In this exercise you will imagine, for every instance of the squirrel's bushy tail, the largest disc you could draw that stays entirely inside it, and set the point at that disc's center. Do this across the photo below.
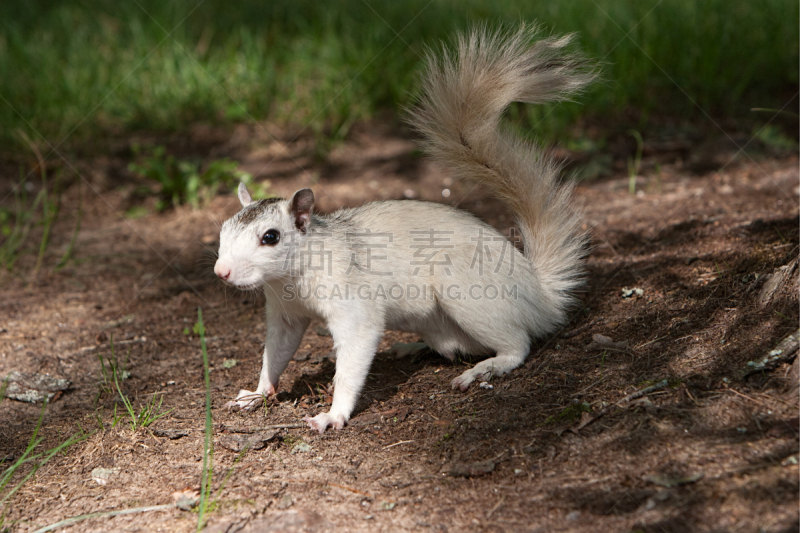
(464, 94)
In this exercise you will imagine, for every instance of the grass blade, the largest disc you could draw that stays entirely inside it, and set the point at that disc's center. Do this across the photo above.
(208, 449)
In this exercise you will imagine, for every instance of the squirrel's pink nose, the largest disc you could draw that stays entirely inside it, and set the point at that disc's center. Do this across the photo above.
(222, 270)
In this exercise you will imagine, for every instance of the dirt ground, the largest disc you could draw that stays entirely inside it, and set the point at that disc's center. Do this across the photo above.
(553, 446)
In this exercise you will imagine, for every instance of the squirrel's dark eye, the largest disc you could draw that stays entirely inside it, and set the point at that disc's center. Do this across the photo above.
(271, 237)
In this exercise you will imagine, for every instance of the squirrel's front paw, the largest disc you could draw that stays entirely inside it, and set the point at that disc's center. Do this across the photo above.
(322, 421)
(248, 401)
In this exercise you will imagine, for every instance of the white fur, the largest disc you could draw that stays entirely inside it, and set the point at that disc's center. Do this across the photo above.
(356, 269)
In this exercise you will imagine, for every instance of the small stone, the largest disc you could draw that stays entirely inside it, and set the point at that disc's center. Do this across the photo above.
(791, 460)
(573, 516)
(632, 292)
(186, 499)
(486, 385)
(101, 475)
(386, 506)
(229, 363)
(33, 388)
(301, 447)
(285, 502)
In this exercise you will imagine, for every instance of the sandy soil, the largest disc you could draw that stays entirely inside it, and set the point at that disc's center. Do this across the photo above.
(554, 446)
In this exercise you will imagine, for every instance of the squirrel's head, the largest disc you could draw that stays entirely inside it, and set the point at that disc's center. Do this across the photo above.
(258, 244)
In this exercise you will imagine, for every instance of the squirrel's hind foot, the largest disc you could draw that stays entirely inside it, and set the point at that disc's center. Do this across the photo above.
(486, 370)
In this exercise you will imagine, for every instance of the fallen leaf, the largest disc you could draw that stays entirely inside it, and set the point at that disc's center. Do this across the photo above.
(101, 475)
(601, 342)
(237, 443)
(170, 433)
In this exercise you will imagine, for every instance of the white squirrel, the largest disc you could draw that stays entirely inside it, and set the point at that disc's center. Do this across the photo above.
(420, 266)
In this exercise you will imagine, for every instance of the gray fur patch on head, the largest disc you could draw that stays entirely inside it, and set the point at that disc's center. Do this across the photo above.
(253, 212)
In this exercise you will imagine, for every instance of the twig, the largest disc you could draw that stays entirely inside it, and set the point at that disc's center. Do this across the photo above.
(496, 507)
(783, 352)
(496, 458)
(76, 519)
(651, 342)
(589, 387)
(468, 396)
(626, 400)
(265, 428)
(350, 489)
(644, 392)
(758, 402)
(745, 396)
(397, 444)
(689, 393)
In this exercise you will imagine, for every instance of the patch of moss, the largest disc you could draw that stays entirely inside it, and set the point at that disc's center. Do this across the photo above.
(572, 412)
(291, 440)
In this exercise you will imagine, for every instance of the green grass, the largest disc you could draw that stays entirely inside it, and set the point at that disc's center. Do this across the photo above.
(73, 69)
(205, 504)
(148, 413)
(181, 181)
(30, 457)
(26, 214)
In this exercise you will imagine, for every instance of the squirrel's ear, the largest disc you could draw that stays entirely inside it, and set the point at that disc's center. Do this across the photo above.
(300, 207)
(244, 196)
